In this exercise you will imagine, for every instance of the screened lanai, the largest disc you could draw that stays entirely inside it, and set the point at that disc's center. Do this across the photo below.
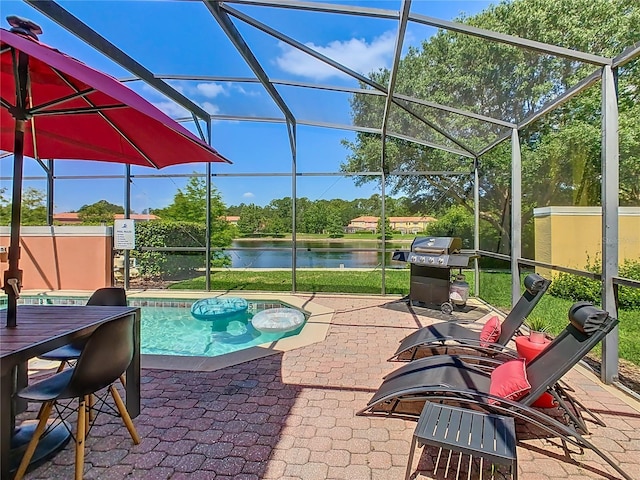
(404, 99)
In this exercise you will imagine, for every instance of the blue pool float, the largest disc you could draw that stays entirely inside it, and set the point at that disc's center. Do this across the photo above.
(218, 307)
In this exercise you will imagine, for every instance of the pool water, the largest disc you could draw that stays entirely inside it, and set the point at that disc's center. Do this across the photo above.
(169, 330)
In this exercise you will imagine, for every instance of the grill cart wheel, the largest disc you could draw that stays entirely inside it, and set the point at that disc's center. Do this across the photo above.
(446, 308)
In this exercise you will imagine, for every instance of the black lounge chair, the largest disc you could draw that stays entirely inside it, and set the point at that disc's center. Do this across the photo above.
(436, 339)
(449, 379)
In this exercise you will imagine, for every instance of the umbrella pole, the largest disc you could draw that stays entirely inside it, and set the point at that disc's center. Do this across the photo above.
(13, 276)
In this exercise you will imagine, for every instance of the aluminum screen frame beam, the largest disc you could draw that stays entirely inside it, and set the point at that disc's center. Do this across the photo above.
(227, 26)
(512, 40)
(610, 202)
(516, 215)
(223, 19)
(626, 56)
(322, 7)
(341, 126)
(336, 88)
(393, 75)
(402, 29)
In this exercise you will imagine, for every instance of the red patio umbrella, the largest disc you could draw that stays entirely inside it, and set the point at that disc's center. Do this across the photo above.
(54, 106)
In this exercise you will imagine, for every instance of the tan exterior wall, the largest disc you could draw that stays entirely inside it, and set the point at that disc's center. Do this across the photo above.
(63, 257)
(571, 236)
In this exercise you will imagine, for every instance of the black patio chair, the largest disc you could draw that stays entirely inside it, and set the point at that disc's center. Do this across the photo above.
(440, 337)
(449, 379)
(68, 354)
(104, 358)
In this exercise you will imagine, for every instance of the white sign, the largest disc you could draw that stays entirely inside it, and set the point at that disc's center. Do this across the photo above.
(124, 234)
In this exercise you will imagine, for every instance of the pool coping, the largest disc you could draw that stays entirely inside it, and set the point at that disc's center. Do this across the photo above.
(314, 330)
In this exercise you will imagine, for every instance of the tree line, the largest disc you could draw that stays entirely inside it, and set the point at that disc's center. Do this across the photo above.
(189, 205)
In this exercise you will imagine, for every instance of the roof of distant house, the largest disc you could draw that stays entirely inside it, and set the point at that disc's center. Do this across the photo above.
(368, 218)
(412, 219)
(365, 219)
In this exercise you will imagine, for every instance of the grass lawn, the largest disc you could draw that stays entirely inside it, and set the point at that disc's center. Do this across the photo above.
(397, 281)
(495, 289)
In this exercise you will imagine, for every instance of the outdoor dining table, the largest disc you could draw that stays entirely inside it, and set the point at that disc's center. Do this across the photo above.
(41, 328)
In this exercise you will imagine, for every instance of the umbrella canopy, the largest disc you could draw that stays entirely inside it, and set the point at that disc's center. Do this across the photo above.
(54, 106)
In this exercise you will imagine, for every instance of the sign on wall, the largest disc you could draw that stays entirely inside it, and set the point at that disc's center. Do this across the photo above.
(124, 234)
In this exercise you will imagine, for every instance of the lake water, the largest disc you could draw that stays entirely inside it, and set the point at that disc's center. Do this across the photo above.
(311, 254)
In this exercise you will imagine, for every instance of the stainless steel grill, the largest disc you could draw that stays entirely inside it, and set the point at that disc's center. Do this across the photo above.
(431, 260)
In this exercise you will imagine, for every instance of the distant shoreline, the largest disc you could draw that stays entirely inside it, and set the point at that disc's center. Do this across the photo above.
(328, 240)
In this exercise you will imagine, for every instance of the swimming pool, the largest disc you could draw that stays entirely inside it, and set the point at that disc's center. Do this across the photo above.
(172, 330)
(168, 328)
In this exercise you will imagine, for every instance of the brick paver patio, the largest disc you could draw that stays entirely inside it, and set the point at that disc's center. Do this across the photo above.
(292, 416)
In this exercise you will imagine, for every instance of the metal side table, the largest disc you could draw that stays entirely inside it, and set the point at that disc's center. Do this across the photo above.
(487, 436)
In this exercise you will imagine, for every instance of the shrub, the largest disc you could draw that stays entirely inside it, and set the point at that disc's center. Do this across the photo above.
(576, 288)
(172, 234)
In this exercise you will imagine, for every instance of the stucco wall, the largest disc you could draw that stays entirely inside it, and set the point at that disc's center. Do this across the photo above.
(63, 257)
(569, 236)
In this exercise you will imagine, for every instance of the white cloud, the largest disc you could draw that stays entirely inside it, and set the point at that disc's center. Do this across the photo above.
(211, 108)
(248, 195)
(355, 54)
(248, 93)
(210, 90)
(172, 109)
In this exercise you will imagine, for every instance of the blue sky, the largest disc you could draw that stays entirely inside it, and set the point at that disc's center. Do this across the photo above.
(184, 38)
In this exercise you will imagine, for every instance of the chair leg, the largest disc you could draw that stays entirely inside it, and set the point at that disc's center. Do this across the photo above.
(80, 437)
(89, 401)
(61, 366)
(125, 415)
(123, 380)
(33, 443)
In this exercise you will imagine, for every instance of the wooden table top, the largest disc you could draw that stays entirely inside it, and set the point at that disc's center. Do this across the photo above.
(41, 325)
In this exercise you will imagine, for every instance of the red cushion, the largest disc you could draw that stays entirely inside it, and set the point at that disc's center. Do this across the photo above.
(490, 332)
(509, 381)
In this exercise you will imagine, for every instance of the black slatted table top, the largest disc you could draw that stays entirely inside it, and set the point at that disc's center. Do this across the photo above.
(489, 436)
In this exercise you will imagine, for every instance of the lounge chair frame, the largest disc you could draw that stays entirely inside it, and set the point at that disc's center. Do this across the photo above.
(433, 339)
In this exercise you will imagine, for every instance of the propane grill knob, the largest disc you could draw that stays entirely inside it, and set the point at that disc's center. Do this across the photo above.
(440, 260)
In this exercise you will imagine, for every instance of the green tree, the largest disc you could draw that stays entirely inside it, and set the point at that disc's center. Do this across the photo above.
(388, 233)
(313, 219)
(457, 222)
(335, 227)
(33, 208)
(561, 152)
(189, 206)
(251, 220)
(277, 216)
(100, 212)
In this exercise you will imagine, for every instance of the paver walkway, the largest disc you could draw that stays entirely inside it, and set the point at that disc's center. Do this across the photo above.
(292, 416)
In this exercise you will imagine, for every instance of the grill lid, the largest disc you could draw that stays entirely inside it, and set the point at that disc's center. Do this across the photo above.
(436, 245)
